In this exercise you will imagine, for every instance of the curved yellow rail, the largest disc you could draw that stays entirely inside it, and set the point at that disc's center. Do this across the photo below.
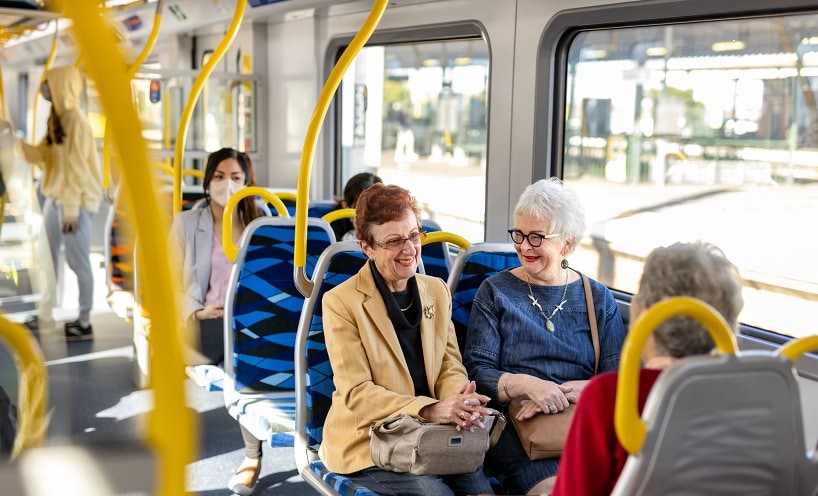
(190, 105)
(286, 195)
(171, 424)
(230, 248)
(446, 237)
(341, 213)
(630, 429)
(140, 59)
(797, 347)
(33, 385)
(317, 120)
(185, 172)
(52, 55)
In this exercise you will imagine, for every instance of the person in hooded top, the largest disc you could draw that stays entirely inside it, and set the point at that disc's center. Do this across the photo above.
(72, 187)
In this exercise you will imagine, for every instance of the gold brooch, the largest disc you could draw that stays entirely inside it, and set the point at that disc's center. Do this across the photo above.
(429, 311)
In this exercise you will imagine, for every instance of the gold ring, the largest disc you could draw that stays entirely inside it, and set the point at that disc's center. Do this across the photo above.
(462, 415)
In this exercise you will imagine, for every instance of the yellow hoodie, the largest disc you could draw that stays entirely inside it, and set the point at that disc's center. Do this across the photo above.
(72, 175)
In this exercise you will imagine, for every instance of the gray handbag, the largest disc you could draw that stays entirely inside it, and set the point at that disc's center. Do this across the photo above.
(409, 444)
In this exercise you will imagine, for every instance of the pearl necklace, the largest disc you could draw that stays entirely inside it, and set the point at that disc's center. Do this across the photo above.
(548, 324)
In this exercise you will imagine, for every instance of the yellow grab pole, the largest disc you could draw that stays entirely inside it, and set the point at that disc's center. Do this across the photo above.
(33, 385)
(4, 108)
(797, 347)
(171, 424)
(318, 115)
(446, 237)
(140, 59)
(630, 428)
(48, 63)
(190, 105)
(230, 248)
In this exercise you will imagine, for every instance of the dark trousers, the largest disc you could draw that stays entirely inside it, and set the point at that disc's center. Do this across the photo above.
(211, 339)
(388, 483)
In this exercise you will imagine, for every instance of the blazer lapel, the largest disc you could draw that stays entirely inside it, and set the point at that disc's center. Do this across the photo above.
(428, 320)
(204, 246)
(376, 309)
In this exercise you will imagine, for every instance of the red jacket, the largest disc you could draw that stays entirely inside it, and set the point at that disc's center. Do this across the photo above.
(593, 458)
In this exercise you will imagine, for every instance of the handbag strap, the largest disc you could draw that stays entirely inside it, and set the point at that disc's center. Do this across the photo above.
(589, 300)
(497, 427)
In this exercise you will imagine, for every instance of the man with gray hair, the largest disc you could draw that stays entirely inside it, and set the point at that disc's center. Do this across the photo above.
(699, 270)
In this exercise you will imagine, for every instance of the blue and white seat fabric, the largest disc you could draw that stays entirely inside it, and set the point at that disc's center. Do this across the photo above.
(261, 319)
(314, 385)
(435, 256)
(469, 269)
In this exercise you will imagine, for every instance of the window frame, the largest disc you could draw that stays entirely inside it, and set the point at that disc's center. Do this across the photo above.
(457, 31)
(551, 86)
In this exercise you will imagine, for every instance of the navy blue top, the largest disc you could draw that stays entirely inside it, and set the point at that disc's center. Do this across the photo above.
(507, 334)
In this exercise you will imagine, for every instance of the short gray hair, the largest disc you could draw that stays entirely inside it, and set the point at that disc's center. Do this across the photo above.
(548, 200)
(700, 270)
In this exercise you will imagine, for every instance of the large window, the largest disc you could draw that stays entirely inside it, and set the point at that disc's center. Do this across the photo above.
(703, 131)
(416, 115)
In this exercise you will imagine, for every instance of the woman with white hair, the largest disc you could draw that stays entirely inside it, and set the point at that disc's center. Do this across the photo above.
(593, 457)
(529, 337)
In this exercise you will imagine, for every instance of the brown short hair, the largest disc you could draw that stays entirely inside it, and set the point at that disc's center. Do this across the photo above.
(379, 204)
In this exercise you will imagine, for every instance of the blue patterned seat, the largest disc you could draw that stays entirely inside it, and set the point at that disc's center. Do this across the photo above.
(314, 386)
(261, 319)
(470, 268)
(435, 256)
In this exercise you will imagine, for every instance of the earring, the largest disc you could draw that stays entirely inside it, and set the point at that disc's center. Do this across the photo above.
(564, 263)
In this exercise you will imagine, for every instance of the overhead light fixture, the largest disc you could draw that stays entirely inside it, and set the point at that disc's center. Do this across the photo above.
(657, 51)
(594, 53)
(462, 61)
(728, 46)
(431, 63)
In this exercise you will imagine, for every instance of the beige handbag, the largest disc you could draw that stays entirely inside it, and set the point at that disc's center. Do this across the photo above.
(543, 435)
(409, 444)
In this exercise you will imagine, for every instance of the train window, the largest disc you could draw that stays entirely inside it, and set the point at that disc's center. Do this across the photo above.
(416, 115)
(702, 130)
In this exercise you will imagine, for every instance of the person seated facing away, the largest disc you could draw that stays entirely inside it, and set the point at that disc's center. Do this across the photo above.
(392, 345)
(205, 274)
(529, 336)
(344, 229)
(593, 458)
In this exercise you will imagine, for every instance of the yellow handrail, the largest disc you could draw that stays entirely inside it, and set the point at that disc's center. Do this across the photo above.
(446, 237)
(630, 428)
(185, 172)
(140, 59)
(33, 385)
(48, 63)
(797, 347)
(231, 251)
(286, 195)
(341, 213)
(318, 115)
(190, 105)
(171, 424)
(4, 107)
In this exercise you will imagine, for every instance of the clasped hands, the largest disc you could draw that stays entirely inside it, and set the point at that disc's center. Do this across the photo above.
(464, 409)
(547, 397)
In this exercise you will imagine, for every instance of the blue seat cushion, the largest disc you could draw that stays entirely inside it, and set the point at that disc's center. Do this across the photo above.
(342, 485)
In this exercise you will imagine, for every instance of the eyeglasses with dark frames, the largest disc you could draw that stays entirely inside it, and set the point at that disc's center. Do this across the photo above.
(397, 243)
(534, 239)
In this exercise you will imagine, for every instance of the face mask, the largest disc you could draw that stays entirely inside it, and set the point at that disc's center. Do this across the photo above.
(221, 191)
(45, 91)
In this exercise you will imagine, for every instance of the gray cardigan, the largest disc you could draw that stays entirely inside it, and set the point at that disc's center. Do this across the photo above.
(191, 238)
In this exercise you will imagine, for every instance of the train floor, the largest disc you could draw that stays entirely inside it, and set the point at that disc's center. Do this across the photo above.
(93, 401)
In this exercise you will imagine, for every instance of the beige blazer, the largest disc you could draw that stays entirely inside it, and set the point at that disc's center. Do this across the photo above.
(372, 379)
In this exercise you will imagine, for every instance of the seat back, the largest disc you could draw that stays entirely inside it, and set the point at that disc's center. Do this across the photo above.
(264, 305)
(728, 425)
(469, 269)
(435, 256)
(314, 393)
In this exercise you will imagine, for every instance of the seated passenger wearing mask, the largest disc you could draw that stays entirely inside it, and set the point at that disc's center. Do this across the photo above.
(392, 346)
(196, 236)
(593, 458)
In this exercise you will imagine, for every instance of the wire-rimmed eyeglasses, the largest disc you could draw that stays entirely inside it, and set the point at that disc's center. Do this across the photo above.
(397, 243)
(534, 239)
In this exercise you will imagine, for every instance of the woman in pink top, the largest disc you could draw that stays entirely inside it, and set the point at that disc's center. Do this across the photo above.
(205, 271)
